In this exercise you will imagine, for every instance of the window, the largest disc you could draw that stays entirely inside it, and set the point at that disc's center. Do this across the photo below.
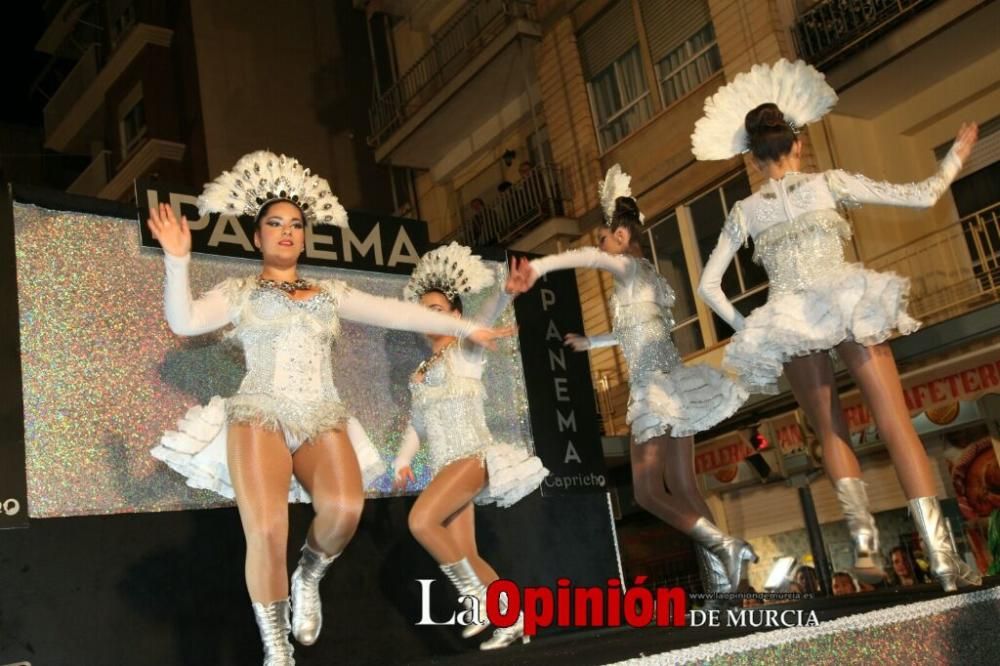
(663, 244)
(684, 68)
(620, 99)
(744, 283)
(612, 64)
(682, 45)
(404, 198)
(132, 121)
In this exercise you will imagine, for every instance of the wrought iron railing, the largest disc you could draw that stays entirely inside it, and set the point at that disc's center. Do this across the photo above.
(540, 195)
(832, 29)
(468, 34)
(951, 270)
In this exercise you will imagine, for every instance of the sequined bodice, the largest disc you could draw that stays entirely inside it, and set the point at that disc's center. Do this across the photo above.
(287, 344)
(802, 252)
(642, 321)
(447, 406)
(797, 230)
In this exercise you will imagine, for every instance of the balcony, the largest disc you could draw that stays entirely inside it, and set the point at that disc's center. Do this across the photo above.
(476, 72)
(92, 180)
(833, 29)
(528, 216)
(71, 116)
(952, 270)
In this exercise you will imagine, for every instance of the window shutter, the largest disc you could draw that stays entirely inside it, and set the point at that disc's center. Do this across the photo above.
(607, 38)
(670, 23)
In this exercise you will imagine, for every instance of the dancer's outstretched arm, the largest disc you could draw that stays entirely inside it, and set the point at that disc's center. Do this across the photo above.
(854, 189)
(394, 313)
(620, 265)
(582, 343)
(733, 235)
(486, 316)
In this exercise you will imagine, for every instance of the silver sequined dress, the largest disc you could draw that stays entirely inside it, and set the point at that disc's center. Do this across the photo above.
(289, 384)
(448, 416)
(816, 299)
(666, 396)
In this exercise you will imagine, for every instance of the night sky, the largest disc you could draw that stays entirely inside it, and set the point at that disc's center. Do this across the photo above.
(21, 24)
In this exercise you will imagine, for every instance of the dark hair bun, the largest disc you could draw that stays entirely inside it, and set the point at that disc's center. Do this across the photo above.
(765, 117)
(626, 210)
(769, 134)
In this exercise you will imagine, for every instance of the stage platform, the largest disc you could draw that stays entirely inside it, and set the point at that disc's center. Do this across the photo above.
(167, 590)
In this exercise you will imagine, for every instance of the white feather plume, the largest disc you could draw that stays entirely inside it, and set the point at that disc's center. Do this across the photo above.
(451, 269)
(798, 89)
(616, 184)
(262, 176)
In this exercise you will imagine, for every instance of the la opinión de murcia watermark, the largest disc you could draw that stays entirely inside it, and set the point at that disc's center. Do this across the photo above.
(609, 606)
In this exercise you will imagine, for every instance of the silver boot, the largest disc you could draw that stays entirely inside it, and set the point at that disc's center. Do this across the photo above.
(714, 577)
(946, 565)
(307, 615)
(272, 620)
(732, 552)
(504, 636)
(853, 500)
(464, 578)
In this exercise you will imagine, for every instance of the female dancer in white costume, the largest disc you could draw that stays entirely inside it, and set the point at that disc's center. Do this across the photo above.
(668, 402)
(468, 466)
(286, 424)
(817, 302)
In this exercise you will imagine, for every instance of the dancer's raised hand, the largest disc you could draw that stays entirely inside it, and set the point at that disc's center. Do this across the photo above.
(966, 139)
(174, 236)
(521, 278)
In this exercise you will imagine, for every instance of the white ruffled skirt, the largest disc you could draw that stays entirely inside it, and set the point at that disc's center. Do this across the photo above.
(857, 304)
(197, 451)
(512, 474)
(682, 402)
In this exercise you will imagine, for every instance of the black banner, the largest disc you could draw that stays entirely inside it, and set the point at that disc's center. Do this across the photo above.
(13, 484)
(372, 242)
(560, 391)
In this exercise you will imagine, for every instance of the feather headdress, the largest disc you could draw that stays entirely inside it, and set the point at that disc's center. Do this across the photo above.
(616, 184)
(798, 89)
(261, 177)
(451, 269)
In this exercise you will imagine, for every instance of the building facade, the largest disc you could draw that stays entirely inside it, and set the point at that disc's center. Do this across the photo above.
(180, 90)
(502, 118)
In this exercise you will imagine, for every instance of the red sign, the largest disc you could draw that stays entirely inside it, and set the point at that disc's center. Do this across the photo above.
(721, 452)
(932, 388)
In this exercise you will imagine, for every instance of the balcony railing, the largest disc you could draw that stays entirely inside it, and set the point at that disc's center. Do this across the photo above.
(832, 29)
(539, 196)
(72, 88)
(469, 33)
(952, 270)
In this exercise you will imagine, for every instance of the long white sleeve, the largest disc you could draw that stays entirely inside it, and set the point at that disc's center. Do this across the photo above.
(408, 448)
(486, 316)
(586, 257)
(854, 189)
(394, 313)
(710, 288)
(186, 316)
(601, 341)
